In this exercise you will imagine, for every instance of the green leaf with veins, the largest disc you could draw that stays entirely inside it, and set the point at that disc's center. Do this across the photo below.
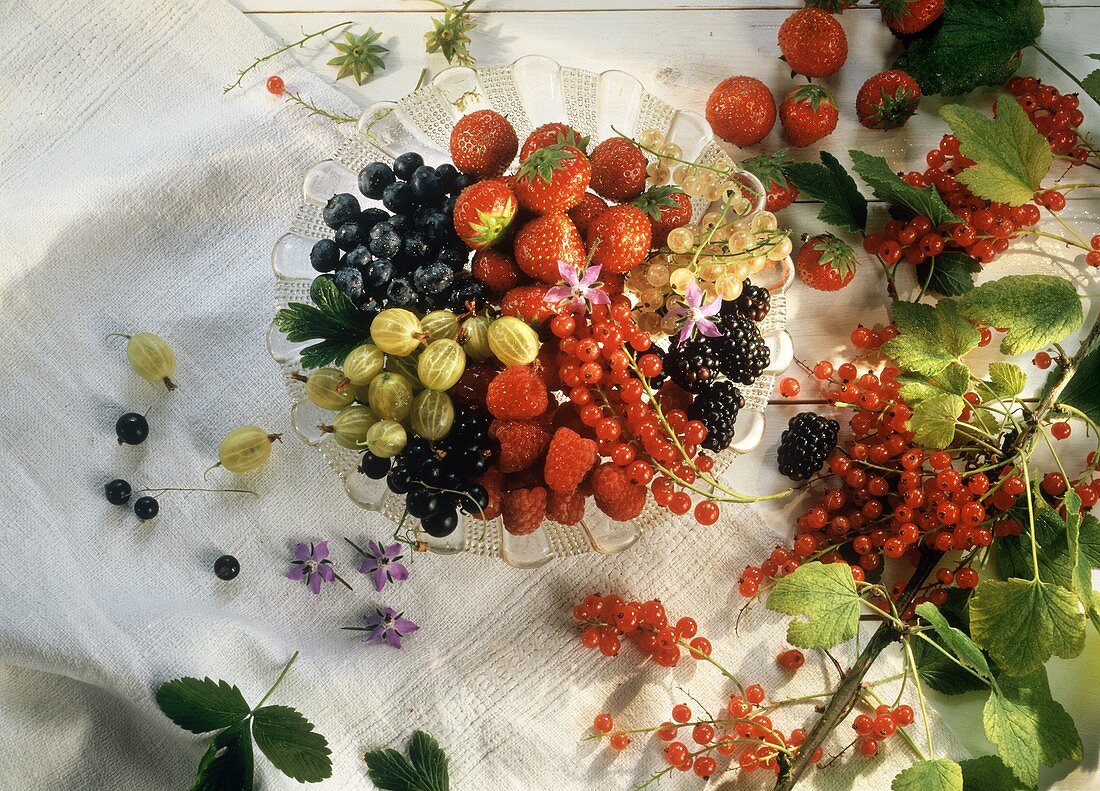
(1011, 158)
(769, 168)
(1005, 379)
(228, 763)
(201, 705)
(1081, 391)
(1037, 310)
(977, 43)
(954, 379)
(1013, 555)
(1028, 727)
(930, 337)
(940, 673)
(941, 774)
(424, 770)
(949, 274)
(1089, 540)
(888, 186)
(957, 641)
(845, 207)
(989, 773)
(334, 319)
(826, 595)
(933, 420)
(289, 741)
(1091, 83)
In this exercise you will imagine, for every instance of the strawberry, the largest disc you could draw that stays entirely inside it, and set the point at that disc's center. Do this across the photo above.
(667, 208)
(483, 144)
(808, 113)
(813, 43)
(618, 169)
(553, 179)
(522, 443)
(887, 100)
(543, 242)
(523, 510)
(493, 481)
(826, 263)
(615, 495)
(483, 212)
(589, 208)
(496, 269)
(741, 110)
(832, 6)
(517, 393)
(565, 508)
(528, 303)
(769, 168)
(619, 238)
(568, 459)
(906, 17)
(549, 134)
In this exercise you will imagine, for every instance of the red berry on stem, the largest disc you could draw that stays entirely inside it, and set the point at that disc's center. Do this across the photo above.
(603, 723)
(789, 387)
(275, 85)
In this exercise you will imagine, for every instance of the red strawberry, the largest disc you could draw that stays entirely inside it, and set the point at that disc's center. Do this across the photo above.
(589, 208)
(483, 213)
(619, 239)
(523, 510)
(543, 242)
(769, 169)
(741, 110)
(826, 263)
(551, 133)
(808, 113)
(473, 386)
(906, 17)
(483, 144)
(493, 481)
(522, 443)
(667, 208)
(528, 303)
(615, 495)
(553, 179)
(517, 393)
(887, 100)
(496, 269)
(618, 169)
(813, 43)
(565, 508)
(568, 460)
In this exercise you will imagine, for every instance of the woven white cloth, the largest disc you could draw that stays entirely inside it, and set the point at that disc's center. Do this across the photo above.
(134, 195)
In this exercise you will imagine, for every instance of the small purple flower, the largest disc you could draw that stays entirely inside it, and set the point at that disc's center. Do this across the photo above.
(311, 564)
(382, 564)
(579, 287)
(696, 314)
(387, 624)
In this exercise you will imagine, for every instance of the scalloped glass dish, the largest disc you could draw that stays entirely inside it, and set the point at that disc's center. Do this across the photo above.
(531, 91)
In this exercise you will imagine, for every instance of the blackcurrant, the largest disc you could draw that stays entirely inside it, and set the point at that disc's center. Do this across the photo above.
(374, 467)
(118, 492)
(132, 429)
(341, 209)
(441, 523)
(406, 164)
(226, 567)
(422, 502)
(476, 499)
(146, 508)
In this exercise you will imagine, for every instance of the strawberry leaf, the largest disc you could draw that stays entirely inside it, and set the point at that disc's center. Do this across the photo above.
(769, 168)
(845, 207)
(656, 198)
(889, 187)
(1091, 83)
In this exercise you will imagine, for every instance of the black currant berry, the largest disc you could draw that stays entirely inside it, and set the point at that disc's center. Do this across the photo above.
(146, 508)
(226, 567)
(132, 429)
(374, 467)
(118, 492)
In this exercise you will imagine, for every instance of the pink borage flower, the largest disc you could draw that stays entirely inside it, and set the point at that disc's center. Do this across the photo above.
(696, 315)
(579, 288)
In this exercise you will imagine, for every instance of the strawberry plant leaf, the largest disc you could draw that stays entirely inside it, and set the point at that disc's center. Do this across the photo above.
(889, 187)
(1081, 391)
(989, 773)
(957, 641)
(977, 43)
(1010, 157)
(845, 207)
(426, 771)
(289, 741)
(228, 763)
(941, 774)
(430, 761)
(1091, 83)
(826, 595)
(769, 168)
(390, 770)
(1037, 309)
(1006, 379)
(201, 705)
(933, 420)
(949, 274)
(930, 337)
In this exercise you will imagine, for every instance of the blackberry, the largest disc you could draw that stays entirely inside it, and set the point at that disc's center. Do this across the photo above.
(692, 364)
(741, 352)
(804, 446)
(716, 407)
(754, 303)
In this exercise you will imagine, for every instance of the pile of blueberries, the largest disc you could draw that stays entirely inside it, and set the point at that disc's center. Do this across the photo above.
(411, 258)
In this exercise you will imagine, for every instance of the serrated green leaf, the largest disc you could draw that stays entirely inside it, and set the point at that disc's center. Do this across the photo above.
(430, 762)
(826, 595)
(1091, 84)
(977, 43)
(1089, 540)
(949, 274)
(427, 771)
(290, 743)
(1022, 623)
(941, 774)
(769, 168)
(228, 764)
(1081, 391)
(390, 770)
(845, 207)
(1037, 310)
(1011, 158)
(933, 420)
(989, 773)
(930, 338)
(956, 641)
(201, 705)
(954, 379)
(1014, 557)
(1028, 727)
(888, 186)
(1006, 379)
(938, 672)
(334, 319)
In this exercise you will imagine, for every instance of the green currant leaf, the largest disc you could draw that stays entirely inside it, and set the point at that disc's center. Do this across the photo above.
(289, 741)
(1081, 390)
(228, 764)
(1037, 310)
(1006, 379)
(954, 379)
(826, 595)
(933, 420)
(957, 641)
(949, 274)
(930, 338)
(989, 773)
(1013, 554)
(1089, 540)
(889, 187)
(941, 774)
(845, 207)
(940, 673)
(202, 705)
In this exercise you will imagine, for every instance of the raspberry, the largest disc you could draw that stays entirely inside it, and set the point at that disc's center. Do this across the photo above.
(527, 303)
(754, 303)
(569, 459)
(546, 368)
(493, 482)
(615, 495)
(741, 351)
(523, 510)
(806, 443)
(716, 407)
(522, 443)
(565, 508)
(586, 211)
(496, 270)
(517, 393)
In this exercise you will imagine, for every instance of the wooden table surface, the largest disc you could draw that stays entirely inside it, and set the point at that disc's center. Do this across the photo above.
(680, 50)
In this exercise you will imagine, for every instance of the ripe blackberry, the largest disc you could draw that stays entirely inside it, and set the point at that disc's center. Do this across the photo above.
(692, 364)
(804, 446)
(716, 407)
(741, 352)
(754, 303)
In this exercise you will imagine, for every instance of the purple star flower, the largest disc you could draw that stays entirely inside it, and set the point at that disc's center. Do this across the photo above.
(311, 565)
(579, 287)
(382, 564)
(387, 624)
(696, 314)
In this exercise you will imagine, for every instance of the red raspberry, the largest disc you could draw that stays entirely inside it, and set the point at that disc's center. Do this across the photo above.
(517, 393)
(565, 508)
(546, 368)
(567, 416)
(496, 269)
(586, 211)
(528, 303)
(524, 510)
(493, 481)
(522, 443)
(568, 460)
(615, 495)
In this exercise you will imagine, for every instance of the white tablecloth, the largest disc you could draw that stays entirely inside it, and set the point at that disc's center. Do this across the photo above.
(134, 195)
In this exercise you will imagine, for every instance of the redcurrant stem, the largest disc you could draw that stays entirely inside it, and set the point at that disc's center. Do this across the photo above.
(1056, 237)
(876, 700)
(1069, 228)
(912, 660)
(700, 655)
(1062, 69)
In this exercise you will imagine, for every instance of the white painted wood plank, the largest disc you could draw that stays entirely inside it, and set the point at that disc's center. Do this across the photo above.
(489, 6)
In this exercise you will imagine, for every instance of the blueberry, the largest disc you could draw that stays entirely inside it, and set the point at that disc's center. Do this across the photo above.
(400, 293)
(324, 256)
(371, 217)
(401, 222)
(340, 209)
(442, 523)
(132, 429)
(378, 274)
(118, 492)
(453, 257)
(359, 257)
(374, 467)
(399, 198)
(146, 508)
(369, 307)
(466, 290)
(462, 181)
(350, 281)
(348, 236)
(447, 173)
(448, 206)
(416, 249)
(374, 178)
(385, 242)
(406, 164)
(422, 503)
(426, 186)
(226, 567)
(433, 278)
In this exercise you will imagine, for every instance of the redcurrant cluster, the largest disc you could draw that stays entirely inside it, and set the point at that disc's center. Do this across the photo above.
(884, 724)
(1057, 116)
(609, 619)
